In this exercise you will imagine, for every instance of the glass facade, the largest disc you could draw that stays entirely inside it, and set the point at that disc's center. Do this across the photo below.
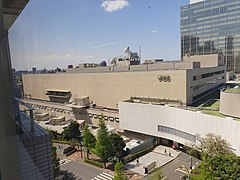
(211, 27)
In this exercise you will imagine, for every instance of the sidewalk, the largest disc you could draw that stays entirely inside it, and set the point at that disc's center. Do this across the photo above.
(158, 155)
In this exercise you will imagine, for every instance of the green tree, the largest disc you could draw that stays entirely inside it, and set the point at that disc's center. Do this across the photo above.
(220, 166)
(118, 144)
(55, 161)
(54, 135)
(118, 171)
(72, 131)
(212, 145)
(157, 175)
(89, 141)
(103, 144)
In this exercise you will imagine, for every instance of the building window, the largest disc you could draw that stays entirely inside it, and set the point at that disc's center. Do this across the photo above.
(177, 132)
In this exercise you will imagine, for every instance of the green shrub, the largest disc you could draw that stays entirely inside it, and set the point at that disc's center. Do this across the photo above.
(61, 142)
(93, 162)
(137, 154)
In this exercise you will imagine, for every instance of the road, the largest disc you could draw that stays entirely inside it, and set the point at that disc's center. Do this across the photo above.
(80, 170)
(172, 171)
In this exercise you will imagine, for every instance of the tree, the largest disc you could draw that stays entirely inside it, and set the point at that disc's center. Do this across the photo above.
(220, 166)
(103, 144)
(54, 135)
(55, 161)
(72, 131)
(118, 171)
(213, 144)
(118, 144)
(89, 141)
(157, 175)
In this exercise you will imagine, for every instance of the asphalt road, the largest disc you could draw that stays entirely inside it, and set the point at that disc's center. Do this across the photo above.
(79, 171)
(170, 169)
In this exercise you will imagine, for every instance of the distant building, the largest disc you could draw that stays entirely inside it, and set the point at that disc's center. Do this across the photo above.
(34, 70)
(212, 27)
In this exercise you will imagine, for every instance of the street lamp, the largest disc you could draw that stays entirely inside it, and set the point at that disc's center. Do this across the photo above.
(191, 162)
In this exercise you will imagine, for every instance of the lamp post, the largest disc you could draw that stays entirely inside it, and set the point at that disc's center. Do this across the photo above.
(191, 162)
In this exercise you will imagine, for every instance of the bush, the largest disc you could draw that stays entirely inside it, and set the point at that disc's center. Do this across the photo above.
(137, 155)
(61, 142)
(93, 162)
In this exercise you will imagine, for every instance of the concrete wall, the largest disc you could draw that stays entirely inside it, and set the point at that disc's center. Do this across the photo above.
(230, 104)
(106, 89)
(211, 60)
(145, 118)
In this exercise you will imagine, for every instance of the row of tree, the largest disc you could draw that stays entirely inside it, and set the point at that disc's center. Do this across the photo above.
(107, 145)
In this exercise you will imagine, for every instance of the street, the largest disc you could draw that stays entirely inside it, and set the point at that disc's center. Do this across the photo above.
(81, 171)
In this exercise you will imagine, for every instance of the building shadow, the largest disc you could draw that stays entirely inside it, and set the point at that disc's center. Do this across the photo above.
(67, 175)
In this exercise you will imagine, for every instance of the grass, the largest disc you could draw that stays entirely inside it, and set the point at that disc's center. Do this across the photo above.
(213, 104)
(218, 114)
(214, 113)
(232, 90)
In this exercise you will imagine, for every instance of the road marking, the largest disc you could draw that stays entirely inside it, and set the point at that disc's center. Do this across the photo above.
(103, 176)
(108, 174)
(64, 161)
(100, 176)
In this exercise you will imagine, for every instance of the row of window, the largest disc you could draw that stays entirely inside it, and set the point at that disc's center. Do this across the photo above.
(206, 75)
(177, 132)
(207, 83)
(106, 118)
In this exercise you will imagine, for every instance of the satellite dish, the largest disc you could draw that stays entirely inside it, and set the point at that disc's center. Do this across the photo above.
(127, 50)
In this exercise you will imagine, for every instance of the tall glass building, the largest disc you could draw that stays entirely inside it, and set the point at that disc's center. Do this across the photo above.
(211, 27)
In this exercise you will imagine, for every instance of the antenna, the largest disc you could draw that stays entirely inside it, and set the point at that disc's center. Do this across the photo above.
(140, 53)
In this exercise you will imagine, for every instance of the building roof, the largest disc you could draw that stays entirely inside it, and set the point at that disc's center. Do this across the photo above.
(11, 10)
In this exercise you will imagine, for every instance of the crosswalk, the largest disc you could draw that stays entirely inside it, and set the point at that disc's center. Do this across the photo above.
(103, 176)
(64, 161)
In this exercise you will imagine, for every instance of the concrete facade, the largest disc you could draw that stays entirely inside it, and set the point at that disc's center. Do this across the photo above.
(176, 124)
(108, 88)
(210, 60)
(230, 104)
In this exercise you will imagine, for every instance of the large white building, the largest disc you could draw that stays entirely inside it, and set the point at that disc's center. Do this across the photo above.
(171, 124)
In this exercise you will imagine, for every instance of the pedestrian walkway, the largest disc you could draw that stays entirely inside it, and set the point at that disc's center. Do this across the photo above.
(103, 176)
(166, 151)
(161, 155)
(64, 161)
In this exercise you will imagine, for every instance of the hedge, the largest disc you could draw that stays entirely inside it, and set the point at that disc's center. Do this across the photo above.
(137, 155)
(93, 162)
(61, 142)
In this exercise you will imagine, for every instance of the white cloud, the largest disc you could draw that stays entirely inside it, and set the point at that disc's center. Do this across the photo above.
(153, 31)
(104, 45)
(114, 5)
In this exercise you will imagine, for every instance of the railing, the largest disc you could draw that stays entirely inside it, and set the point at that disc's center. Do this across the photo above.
(29, 109)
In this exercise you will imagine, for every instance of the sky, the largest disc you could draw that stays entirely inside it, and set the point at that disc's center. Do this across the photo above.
(56, 33)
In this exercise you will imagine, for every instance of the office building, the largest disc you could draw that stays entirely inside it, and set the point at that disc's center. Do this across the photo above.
(183, 81)
(212, 27)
